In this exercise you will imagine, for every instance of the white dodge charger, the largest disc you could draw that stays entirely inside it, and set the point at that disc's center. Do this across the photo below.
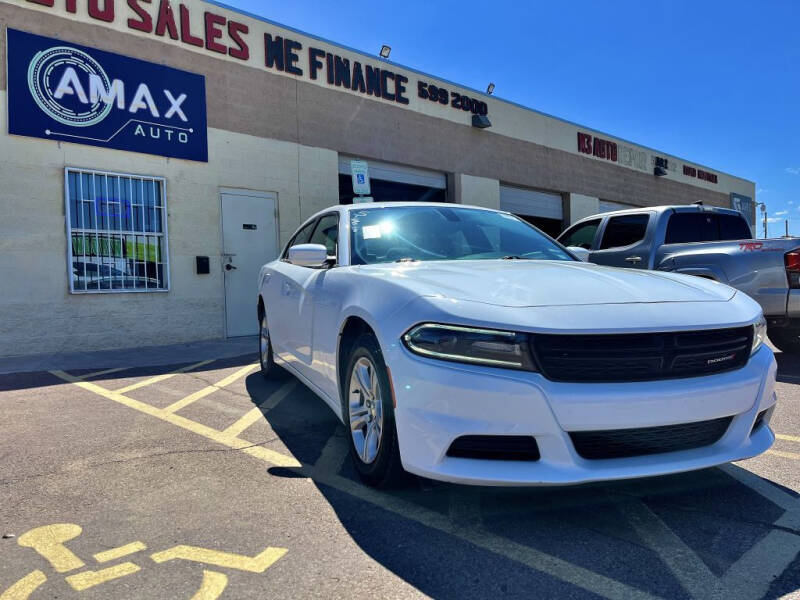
(462, 344)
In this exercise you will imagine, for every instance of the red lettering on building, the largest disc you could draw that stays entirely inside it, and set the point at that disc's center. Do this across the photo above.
(144, 21)
(214, 32)
(102, 14)
(166, 21)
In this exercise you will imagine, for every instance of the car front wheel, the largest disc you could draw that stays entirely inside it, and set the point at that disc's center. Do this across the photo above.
(265, 357)
(369, 415)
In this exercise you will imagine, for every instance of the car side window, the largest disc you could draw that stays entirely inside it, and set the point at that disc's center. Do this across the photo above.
(732, 227)
(624, 230)
(581, 236)
(301, 237)
(689, 227)
(327, 233)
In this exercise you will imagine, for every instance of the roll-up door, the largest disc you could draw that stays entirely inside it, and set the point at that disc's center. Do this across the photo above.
(393, 182)
(543, 209)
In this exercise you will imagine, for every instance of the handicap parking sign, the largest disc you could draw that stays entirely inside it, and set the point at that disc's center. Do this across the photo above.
(360, 172)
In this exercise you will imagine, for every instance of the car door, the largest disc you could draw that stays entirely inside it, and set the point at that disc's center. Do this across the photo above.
(301, 289)
(624, 242)
(581, 235)
(282, 296)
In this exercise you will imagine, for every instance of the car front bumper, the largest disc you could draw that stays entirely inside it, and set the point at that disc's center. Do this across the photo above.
(437, 402)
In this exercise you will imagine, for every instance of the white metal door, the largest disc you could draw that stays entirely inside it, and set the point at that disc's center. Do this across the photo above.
(249, 239)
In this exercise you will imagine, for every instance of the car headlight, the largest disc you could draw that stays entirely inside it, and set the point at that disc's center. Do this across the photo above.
(759, 335)
(490, 347)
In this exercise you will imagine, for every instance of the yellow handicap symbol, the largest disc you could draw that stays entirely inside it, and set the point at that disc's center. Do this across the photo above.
(50, 541)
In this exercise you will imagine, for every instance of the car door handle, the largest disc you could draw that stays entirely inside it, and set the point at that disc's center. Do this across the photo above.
(230, 267)
(633, 259)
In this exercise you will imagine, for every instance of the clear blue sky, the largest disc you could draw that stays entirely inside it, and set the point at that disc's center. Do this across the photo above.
(715, 81)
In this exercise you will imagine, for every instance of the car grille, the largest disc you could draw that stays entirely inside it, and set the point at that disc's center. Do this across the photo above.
(623, 443)
(641, 357)
(495, 447)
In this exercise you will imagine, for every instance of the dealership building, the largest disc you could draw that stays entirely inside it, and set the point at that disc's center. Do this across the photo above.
(154, 153)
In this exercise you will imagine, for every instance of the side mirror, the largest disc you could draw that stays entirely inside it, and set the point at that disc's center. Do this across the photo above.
(581, 253)
(308, 255)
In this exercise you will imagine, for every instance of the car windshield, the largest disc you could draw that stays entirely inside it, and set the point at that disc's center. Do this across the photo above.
(391, 234)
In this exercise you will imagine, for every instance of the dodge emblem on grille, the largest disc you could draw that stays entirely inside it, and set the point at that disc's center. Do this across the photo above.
(713, 361)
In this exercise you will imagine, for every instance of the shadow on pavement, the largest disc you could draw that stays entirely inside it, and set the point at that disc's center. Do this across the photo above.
(22, 381)
(673, 537)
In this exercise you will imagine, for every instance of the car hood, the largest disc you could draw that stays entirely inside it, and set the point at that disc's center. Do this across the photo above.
(529, 283)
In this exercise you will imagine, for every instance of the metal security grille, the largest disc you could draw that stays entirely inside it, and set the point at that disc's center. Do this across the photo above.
(117, 232)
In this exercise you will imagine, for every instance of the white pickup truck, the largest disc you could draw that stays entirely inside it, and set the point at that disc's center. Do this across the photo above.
(714, 243)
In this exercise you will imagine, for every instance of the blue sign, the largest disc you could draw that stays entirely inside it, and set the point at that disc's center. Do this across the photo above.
(71, 93)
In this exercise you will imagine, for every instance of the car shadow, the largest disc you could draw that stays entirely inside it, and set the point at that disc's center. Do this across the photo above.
(680, 536)
(788, 367)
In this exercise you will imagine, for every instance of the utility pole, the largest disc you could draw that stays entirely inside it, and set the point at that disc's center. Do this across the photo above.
(787, 227)
(763, 212)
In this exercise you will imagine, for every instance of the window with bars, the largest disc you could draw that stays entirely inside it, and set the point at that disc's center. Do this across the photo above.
(117, 232)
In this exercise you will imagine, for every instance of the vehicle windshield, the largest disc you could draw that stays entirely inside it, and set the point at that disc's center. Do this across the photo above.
(392, 234)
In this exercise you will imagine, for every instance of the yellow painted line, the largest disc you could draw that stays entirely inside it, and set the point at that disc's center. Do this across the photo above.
(157, 378)
(270, 456)
(256, 564)
(213, 585)
(24, 587)
(104, 372)
(48, 542)
(790, 455)
(788, 438)
(88, 579)
(191, 398)
(115, 553)
(256, 414)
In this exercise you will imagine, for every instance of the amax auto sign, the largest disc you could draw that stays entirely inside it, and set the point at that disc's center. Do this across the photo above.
(66, 92)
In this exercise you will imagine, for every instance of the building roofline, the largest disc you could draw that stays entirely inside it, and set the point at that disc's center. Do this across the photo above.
(466, 87)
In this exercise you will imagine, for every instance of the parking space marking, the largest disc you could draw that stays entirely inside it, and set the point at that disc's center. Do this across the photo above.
(157, 378)
(772, 493)
(477, 536)
(782, 454)
(213, 585)
(256, 414)
(115, 553)
(48, 542)
(192, 398)
(265, 454)
(104, 372)
(89, 579)
(684, 564)
(23, 589)
(252, 564)
(787, 438)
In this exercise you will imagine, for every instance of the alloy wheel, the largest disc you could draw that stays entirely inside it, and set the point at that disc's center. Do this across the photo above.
(366, 410)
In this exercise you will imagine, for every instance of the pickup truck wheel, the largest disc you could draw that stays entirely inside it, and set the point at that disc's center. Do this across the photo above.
(265, 357)
(785, 340)
(369, 416)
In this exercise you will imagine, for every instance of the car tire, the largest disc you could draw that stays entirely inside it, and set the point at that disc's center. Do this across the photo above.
(265, 356)
(785, 340)
(368, 413)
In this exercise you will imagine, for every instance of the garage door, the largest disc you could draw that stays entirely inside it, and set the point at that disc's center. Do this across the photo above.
(531, 203)
(397, 173)
(608, 206)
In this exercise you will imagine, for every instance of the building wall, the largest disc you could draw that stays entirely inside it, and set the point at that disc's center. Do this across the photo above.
(268, 131)
(37, 312)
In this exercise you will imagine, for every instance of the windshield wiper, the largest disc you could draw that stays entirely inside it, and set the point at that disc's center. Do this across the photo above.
(404, 260)
(514, 257)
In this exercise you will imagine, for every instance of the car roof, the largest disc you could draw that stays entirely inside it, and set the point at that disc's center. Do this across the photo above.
(678, 208)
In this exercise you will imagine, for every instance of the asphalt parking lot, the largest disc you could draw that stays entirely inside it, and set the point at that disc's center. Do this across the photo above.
(204, 481)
